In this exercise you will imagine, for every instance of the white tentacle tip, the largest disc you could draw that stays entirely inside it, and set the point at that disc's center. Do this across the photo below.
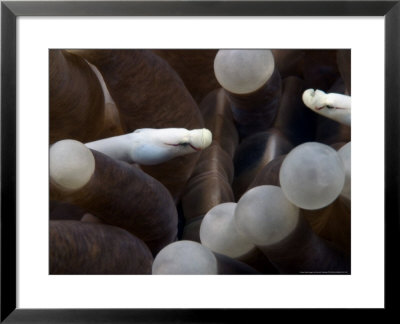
(200, 138)
(72, 164)
(314, 98)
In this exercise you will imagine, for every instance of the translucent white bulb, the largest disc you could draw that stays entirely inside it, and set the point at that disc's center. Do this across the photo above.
(312, 175)
(265, 216)
(185, 257)
(345, 154)
(243, 71)
(218, 232)
(71, 164)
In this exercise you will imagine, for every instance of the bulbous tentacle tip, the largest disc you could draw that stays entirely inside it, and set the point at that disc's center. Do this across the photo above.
(313, 98)
(200, 138)
(243, 71)
(335, 106)
(72, 164)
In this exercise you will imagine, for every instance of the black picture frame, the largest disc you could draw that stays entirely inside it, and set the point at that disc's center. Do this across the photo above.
(10, 10)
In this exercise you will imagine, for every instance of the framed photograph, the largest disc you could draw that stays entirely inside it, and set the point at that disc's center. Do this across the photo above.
(43, 42)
